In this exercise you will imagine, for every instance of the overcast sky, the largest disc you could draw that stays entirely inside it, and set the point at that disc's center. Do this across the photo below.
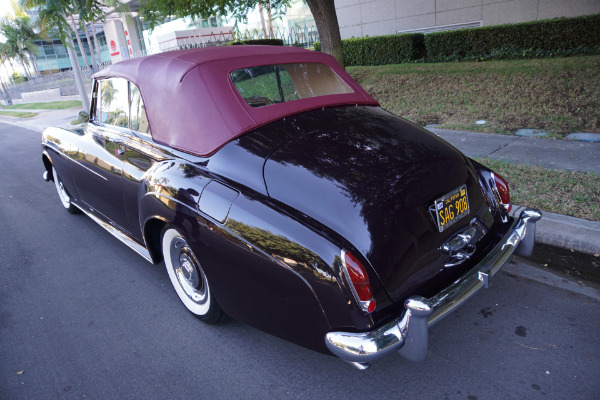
(5, 8)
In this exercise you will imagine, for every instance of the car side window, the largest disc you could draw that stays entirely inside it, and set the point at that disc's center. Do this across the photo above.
(114, 102)
(139, 120)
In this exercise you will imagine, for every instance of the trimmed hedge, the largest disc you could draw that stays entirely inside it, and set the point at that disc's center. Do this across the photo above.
(267, 42)
(546, 38)
(380, 50)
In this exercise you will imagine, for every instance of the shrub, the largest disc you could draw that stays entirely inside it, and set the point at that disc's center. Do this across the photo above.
(267, 42)
(546, 38)
(379, 50)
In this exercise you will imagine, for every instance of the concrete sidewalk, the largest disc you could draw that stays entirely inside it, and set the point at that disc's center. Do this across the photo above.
(44, 119)
(547, 153)
(554, 229)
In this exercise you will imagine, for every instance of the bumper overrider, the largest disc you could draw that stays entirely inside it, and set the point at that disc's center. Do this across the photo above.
(408, 334)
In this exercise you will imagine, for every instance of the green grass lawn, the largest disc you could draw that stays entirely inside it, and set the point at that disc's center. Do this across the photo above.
(50, 105)
(561, 95)
(19, 114)
(563, 192)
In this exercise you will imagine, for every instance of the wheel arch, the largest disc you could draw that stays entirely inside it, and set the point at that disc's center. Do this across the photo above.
(47, 160)
(153, 229)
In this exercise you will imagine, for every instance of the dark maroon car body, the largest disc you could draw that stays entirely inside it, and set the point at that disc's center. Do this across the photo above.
(269, 198)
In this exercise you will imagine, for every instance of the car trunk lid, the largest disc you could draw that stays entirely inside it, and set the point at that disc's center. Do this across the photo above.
(373, 178)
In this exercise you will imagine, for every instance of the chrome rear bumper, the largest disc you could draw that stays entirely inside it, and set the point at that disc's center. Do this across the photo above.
(409, 333)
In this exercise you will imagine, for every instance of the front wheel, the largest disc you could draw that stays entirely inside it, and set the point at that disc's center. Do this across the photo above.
(63, 195)
(188, 278)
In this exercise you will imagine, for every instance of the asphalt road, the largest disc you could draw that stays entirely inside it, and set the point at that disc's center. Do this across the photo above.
(83, 316)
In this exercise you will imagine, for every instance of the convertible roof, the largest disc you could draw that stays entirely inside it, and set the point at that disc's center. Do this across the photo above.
(193, 106)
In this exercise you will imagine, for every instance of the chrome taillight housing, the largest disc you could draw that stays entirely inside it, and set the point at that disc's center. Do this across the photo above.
(503, 191)
(356, 275)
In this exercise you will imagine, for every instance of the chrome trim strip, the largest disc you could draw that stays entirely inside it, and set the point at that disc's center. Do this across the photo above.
(89, 169)
(60, 153)
(364, 305)
(125, 239)
(409, 333)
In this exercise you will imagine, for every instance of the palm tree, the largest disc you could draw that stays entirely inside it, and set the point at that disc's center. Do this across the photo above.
(53, 15)
(27, 35)
(107, 93)
(19, 41)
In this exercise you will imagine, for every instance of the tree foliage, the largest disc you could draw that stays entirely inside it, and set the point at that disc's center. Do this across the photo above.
(54, 14)
(19, 44)
(156, 12)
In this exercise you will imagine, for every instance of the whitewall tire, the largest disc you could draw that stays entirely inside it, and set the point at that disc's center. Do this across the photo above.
(188, 277)
(63, 195)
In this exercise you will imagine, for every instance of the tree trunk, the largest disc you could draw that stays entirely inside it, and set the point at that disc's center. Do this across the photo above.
(24, 64)
(6, 92)
(35, 65)
(12, 67)
(262, 19)
(327, 25)
(8, 77)
(270, 19)
(81, 49)
(91, 46)
(96, 44)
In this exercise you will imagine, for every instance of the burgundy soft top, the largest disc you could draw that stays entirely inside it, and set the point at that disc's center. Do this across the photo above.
(193, 106)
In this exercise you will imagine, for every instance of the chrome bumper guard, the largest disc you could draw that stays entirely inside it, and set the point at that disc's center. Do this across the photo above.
(409, 333)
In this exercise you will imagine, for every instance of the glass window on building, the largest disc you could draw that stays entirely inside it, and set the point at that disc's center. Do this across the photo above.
(49, 50)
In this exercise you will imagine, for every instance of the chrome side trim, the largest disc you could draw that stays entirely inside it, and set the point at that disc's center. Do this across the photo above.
(125, 239)
(409, 333)
(89, 169)
(364, 305)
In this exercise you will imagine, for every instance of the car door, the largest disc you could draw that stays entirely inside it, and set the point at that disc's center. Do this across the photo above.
(139, 154)
(99, 178)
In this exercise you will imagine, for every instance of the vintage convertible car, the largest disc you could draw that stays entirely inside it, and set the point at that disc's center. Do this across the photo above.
(278, 192)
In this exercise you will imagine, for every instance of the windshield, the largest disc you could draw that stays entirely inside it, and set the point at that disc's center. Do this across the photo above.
(269, 84)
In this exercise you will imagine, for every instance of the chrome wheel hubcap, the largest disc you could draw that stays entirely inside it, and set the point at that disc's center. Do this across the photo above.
(63, 192)
(188, 271)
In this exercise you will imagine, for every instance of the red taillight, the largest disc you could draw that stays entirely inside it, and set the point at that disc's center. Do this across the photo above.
(503, 191)
(357, 274)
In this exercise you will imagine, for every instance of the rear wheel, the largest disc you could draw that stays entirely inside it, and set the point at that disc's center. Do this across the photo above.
(188, 278)
(63, 195)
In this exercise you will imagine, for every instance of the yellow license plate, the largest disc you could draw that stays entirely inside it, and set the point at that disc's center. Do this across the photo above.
(451, 207)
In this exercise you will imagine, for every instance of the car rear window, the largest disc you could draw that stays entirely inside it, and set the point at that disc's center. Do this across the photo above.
(270, 84)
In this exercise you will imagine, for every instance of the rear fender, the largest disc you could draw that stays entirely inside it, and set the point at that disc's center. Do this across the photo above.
(265, 268)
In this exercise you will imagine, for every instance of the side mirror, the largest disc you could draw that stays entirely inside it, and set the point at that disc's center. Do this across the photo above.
(83, 116)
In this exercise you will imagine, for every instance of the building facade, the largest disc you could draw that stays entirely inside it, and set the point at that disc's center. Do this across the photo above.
(358, 18)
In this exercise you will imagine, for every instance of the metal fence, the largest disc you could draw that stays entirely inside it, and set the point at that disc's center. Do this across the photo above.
(295, 36)
(65, 81)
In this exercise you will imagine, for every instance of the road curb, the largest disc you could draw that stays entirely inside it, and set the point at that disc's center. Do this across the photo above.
(566, 232)
(527, 270)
